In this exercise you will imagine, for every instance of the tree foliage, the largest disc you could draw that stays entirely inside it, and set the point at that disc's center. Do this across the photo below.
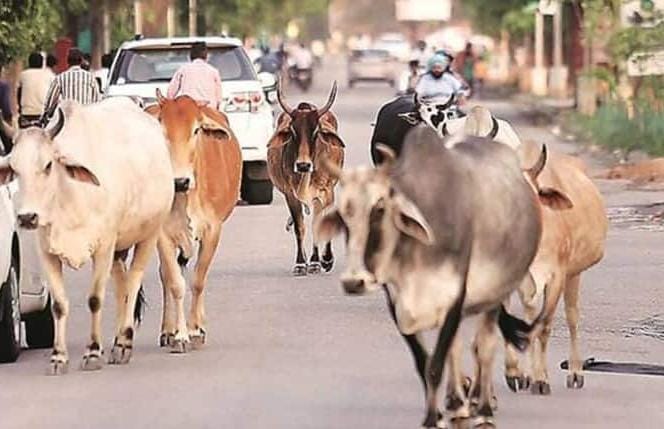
(490, 15)
(24, 26)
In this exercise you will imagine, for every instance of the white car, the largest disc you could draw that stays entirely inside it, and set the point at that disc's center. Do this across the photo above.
(396, 44)
(142, 66)
(23, 292)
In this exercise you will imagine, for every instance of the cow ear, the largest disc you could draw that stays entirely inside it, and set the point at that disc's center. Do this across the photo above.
(413, 118)
(329, 225)
(555, 199)
(6, 172)
(409, 220)
(78, 172)
(153, 109)
(214, 123)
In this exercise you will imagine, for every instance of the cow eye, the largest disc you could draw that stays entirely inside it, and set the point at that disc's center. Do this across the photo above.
(47, 168)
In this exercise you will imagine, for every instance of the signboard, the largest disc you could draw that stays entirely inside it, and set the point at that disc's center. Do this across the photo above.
(646, 63)
(423, 10)
(548, 7)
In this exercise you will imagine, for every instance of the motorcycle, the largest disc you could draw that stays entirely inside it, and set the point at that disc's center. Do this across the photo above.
(302, 77)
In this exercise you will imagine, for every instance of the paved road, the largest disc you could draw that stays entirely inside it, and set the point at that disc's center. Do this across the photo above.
(297, 353)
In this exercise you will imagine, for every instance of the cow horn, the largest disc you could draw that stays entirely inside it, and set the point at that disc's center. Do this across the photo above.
(160, 97)
(388, 154)
(53, 131)
(536, 169)
(282, 100)
(330, 100)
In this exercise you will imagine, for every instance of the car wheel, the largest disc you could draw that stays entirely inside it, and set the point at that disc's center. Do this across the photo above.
(39, 328)
(10, 325)
(257, 192)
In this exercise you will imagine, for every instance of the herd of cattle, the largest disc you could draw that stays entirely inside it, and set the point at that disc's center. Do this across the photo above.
(455, 216)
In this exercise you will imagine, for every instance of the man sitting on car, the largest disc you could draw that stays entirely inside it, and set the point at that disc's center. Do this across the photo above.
(197, 79)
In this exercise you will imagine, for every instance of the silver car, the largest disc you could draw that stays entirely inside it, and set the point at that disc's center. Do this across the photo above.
(372, 65)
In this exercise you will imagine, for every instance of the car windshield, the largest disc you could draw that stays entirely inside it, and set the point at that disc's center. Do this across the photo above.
(144, 65)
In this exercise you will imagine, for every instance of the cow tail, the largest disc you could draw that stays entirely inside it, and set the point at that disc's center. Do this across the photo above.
(518, 332)
(139, 307)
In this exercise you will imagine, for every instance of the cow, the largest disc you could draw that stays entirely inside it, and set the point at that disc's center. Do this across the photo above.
(207, 163)
(573, 241)
(451, 228)
(305, 139)
(70, 191)
(396, 117)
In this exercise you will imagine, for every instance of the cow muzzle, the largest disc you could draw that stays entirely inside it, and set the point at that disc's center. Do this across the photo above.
(28, 220)
(358, 283)
(182, 184)
(304, 167)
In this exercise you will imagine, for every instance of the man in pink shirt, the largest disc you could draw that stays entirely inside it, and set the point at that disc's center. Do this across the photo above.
(197, 79)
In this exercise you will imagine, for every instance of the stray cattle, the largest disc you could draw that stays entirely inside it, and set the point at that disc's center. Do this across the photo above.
(442, 254)
(207, 160)
(573, 239)
(651, 170)
(305, 140)
(71, 192)
(398, 116)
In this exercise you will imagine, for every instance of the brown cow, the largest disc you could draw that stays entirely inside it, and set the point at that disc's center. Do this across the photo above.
(572, 242)
(207, 162)
(305, 140)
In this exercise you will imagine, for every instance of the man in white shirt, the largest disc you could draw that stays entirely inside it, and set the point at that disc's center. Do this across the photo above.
(33, 84)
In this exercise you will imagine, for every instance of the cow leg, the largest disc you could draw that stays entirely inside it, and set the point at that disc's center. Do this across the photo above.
(436, 364)
(575, 377)
(484, 350)
(457, 405)
(206, 252)
(124, 339)
(60, 308)
(315, 266)
(518, 378)
(174, 333)
(328, 257)
(102, 260)
(541, 384)
(295, 207)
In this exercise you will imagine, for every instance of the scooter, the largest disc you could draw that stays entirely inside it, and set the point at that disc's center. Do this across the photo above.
(302, 77)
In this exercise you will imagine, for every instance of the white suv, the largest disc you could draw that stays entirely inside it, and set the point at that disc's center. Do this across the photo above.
(141, 66)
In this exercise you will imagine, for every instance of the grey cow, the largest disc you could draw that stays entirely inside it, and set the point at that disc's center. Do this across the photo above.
(451, 227)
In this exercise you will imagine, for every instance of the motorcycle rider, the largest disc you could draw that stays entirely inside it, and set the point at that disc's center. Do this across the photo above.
(439, 81)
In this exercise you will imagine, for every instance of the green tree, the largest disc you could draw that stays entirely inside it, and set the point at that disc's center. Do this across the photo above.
(490, 15)
(26, 25)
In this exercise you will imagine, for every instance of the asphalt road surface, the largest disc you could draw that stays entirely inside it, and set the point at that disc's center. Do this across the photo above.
(296, 353)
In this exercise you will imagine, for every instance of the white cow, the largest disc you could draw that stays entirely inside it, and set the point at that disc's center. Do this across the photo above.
(95, 183)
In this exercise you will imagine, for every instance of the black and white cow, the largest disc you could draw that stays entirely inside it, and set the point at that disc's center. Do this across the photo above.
(398, 116)
(451, 228)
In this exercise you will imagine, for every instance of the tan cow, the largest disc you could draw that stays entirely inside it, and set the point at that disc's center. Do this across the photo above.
(305, 140)
(572, 242)
(207, 162)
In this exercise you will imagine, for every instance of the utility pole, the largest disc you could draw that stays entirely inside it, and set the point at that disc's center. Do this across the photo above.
(138, 17)
(192, 18)
(170, 18)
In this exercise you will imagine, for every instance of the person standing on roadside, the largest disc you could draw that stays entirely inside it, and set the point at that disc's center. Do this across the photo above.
(197, 79)
(466, 65)
(33, 85)
(72, 84)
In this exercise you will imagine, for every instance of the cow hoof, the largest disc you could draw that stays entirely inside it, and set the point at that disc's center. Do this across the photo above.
(575, 381)
(92, 361)
(327, 265)
(120, 354)
(179, 346)
(166, 339)
(517, 383)
(314, 268)
(300, 270)
(484, 422)
(197, 338)
(58, 367)
(540, 388)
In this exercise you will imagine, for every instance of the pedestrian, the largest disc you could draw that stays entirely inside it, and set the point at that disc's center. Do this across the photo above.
(72, 84)
(5, 113)
(197, 79)
(33, 85)
(51, 63)
(480, 73)
(465, 65)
